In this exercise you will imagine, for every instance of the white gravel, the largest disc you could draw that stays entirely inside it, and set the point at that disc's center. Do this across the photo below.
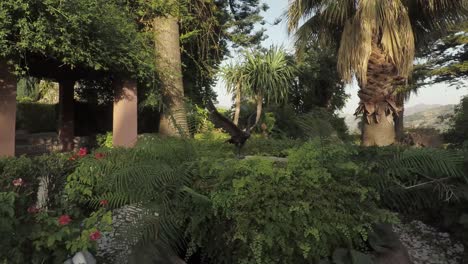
(426, 245)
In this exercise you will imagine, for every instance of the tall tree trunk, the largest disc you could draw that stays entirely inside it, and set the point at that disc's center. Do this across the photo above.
(378, 100)
(66, 114)
(125, 120)
(259, 108)
(399, 119)
(7, 110)
(238, 105)
(173, 120)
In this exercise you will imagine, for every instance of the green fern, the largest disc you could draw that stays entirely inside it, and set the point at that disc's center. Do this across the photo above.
(412, 177)
(152, 178)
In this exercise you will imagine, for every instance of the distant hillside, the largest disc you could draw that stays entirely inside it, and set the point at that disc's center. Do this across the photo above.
(436, 116)
(418, 116)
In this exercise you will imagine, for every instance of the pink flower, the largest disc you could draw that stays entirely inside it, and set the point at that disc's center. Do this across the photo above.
(33, 209)
(64, 220)
(83, 152)
(99, 155)
(95, 235)
(104, 202)
(18, 182)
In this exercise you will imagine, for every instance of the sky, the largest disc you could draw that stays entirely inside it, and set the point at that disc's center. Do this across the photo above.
(277, 35)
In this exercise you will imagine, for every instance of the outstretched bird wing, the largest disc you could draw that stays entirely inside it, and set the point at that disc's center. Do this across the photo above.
(222, 122)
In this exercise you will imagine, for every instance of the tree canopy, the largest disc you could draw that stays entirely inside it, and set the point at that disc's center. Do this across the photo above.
(92, 34)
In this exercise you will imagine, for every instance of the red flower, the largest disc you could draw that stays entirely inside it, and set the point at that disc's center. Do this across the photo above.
(104, 202)
(72, 158)
(83, 152)
(95, 235)
(99, 155)
(18, 182)
(33, 209)
(64, 220)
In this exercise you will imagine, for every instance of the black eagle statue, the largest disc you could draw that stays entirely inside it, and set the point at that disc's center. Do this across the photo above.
(238, 136)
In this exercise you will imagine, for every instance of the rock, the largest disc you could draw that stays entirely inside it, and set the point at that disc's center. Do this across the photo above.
(83, 257)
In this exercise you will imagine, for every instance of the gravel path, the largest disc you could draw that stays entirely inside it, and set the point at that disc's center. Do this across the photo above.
(426, 245)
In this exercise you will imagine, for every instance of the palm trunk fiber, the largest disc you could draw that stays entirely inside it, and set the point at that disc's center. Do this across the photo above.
(378, 100)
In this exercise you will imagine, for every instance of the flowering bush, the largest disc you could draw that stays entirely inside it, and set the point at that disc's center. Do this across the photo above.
(53, 227)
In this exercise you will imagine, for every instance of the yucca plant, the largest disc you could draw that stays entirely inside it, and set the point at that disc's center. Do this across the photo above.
(268, 76)
(377, 46)
(233, 75)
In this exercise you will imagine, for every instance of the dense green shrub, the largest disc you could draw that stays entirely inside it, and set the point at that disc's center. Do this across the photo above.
(264, 212)
(256, 210)
(258, 145)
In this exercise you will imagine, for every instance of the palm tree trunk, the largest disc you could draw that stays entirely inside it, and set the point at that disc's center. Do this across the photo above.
(173, 120)
(238, 105)
(7, 110)
(398, 119)
(378, 100)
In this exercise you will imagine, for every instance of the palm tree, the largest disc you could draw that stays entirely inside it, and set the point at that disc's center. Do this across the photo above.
(268, 76)
(233, 75)
(377, 46)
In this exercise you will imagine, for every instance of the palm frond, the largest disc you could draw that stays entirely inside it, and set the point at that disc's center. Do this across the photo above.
(323, 21)
(431, 18)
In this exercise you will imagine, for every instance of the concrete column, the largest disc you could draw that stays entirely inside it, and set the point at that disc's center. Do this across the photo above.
(125, 124)
(66, 114)
(7, 110)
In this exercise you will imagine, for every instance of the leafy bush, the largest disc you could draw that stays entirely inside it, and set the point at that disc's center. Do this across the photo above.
(317, 122)
(270, 147)
(265, 212)
(104, 140)
(459, 132)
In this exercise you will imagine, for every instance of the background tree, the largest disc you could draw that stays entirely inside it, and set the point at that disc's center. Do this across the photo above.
(317, 83)
(268, 77)
(444, 59)
(233, 75)
(376, 46)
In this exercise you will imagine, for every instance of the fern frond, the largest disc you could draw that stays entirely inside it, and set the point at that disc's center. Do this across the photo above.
(420, 178)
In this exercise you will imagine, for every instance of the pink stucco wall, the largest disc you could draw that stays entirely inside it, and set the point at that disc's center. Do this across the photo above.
(125, 125)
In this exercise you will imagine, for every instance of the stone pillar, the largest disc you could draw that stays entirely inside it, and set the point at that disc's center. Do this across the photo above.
(125, 124)
(7, 110)
(66, 114)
